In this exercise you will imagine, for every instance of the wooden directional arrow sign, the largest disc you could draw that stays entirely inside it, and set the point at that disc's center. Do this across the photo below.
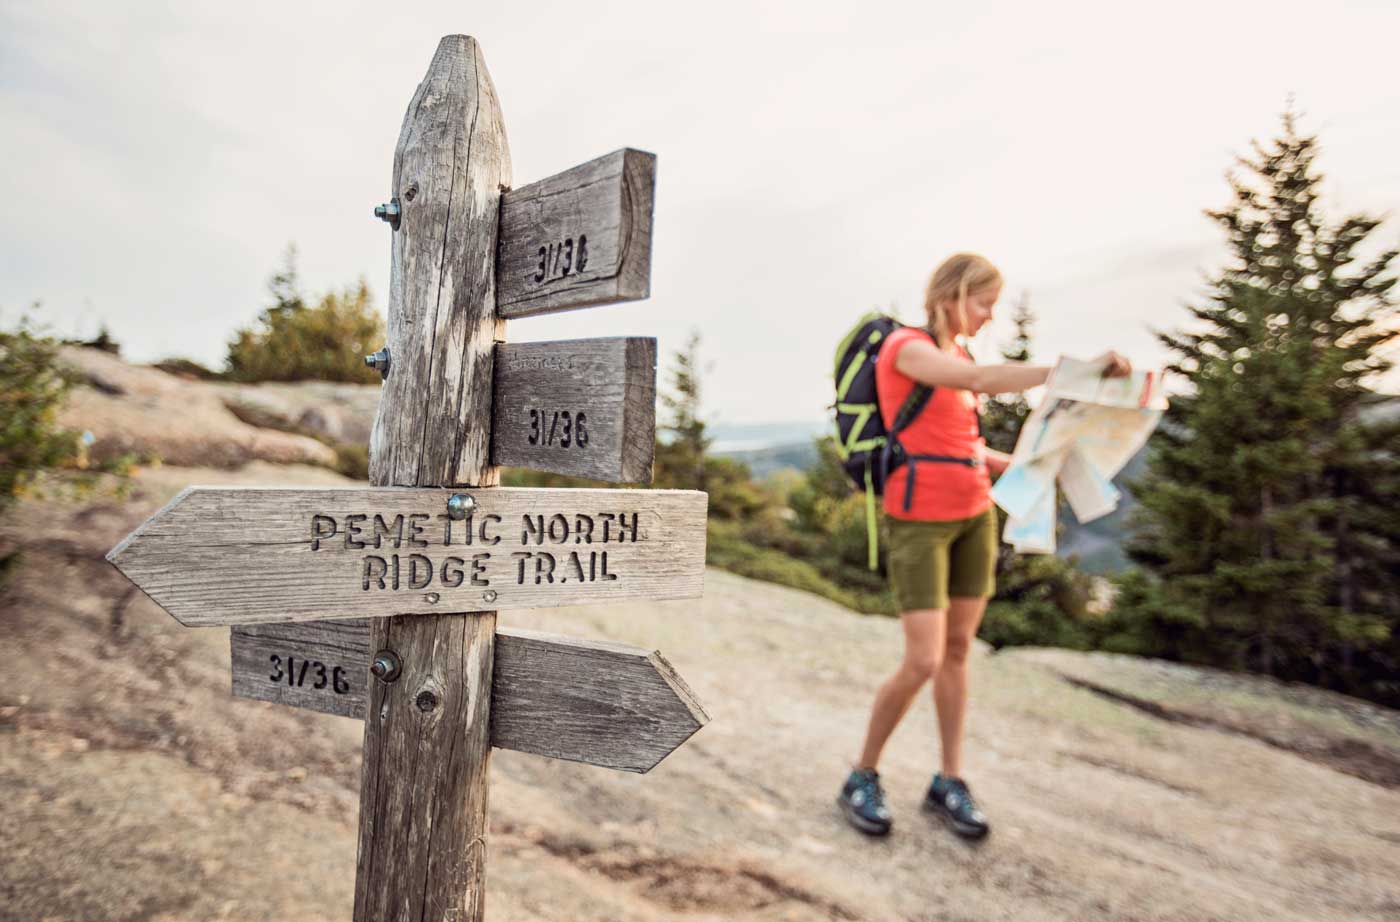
(580, 238)
(585, 407)
(606, 704)
(219, 555)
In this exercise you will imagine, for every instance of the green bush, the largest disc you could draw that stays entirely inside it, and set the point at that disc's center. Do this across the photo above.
(1039, 623)
(294, 341)
(34, 451)
(1148, 620)
(32, 389)
(728, 548)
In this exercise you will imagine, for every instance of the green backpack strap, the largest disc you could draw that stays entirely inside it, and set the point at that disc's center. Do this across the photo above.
(872, 527)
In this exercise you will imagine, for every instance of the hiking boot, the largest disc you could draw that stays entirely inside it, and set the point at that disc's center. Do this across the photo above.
(950, 799)
(864, 803)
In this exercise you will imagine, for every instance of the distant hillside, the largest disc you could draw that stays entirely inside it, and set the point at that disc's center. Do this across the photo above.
(768, 447)
(730, 439)
(763, 462)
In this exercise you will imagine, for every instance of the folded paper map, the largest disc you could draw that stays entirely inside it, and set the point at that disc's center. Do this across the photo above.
(1080, 436)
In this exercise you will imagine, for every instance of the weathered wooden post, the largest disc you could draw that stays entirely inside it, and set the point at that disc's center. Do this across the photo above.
(427, 741)
(434, 547)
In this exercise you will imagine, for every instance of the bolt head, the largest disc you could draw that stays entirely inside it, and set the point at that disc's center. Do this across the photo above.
(460, 505)
(489, 595)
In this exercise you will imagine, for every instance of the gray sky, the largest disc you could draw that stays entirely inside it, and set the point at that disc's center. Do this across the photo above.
(815, 160)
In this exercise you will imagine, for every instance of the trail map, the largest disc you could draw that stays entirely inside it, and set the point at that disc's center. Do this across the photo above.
(1080, 436)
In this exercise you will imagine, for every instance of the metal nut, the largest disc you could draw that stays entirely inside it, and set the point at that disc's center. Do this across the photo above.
(386, 666)
(489, 595)
(379, 360)
(460, 505)
(389, 213)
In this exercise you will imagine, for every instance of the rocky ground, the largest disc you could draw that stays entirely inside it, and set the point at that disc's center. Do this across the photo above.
(135, 788)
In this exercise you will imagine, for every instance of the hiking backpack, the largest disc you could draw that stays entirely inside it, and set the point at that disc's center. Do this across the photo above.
(867, 450)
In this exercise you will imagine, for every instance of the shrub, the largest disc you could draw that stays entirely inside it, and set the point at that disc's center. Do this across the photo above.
(1146, 620)
(293, 341)
(728, 548)
(33, 387)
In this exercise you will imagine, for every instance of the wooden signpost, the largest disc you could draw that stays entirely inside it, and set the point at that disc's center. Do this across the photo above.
(421, 560)
(230, 555)
(603, 703)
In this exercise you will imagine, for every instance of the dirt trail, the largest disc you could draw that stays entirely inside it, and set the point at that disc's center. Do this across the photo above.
(134, 788)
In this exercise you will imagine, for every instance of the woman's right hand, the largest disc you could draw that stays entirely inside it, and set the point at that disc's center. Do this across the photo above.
(1114, 365)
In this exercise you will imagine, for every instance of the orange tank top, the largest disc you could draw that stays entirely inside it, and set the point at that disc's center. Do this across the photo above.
(948, 427)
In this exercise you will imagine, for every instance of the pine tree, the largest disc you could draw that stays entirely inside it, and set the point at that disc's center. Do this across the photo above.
(680, 460)
(1004, 414)
(1257, 508)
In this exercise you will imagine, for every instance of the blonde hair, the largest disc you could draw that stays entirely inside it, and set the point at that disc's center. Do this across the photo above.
(958, 276)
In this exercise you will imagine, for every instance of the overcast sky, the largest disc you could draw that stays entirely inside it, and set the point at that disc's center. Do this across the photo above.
(814, 160)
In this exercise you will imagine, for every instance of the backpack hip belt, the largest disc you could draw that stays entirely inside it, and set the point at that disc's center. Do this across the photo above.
(913, 462)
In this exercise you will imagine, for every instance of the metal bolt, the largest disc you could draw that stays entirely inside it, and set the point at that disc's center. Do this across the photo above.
(459, 506)
(432, 598)
(386, 666)
(379, 360)
(426, 701)
(489, 595)
(389, 212)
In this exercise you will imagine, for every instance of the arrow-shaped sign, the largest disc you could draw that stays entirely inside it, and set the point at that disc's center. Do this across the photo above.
(225, 555)
(607, 704)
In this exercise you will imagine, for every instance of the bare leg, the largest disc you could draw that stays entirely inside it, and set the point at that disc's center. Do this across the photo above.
(951, 683)
(924, 632)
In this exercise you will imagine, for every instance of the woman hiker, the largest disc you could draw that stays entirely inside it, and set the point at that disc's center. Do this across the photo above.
(942, 530)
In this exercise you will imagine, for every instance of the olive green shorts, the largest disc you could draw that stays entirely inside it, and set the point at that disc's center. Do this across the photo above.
(931, 561)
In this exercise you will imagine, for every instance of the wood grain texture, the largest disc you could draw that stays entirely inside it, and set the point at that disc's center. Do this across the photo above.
(450, 165)
(608, 704)
(422, 847)
(339, 648)
(243, 555)
(579, 238)
(583, 407)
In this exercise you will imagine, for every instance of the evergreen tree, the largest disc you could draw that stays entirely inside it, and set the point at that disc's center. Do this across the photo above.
(683, 460)
(680, 459)
(1004, 414)
(1258, 512)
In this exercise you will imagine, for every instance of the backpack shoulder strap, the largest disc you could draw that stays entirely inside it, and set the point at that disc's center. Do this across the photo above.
(913, 404)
